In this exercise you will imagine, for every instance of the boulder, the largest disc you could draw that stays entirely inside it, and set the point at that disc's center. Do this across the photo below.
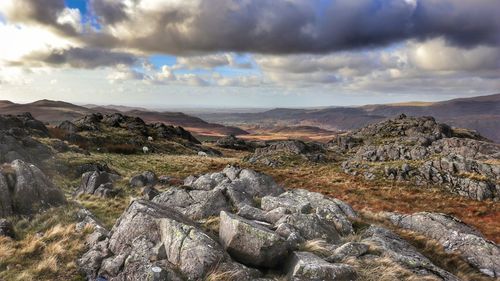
(97, 183)
(146, 178)
(455, 237)
(304, 266)
(68, 127)
(232, 142)
(251, 243)
(310, 227)
(195, 204)
(350, 249)
(25, 190)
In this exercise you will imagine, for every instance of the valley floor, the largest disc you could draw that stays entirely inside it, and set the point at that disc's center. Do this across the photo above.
(53, 256)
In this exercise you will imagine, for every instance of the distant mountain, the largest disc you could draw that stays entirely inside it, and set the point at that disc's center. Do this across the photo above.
(120, 108)
(478, 113)
(54, 112)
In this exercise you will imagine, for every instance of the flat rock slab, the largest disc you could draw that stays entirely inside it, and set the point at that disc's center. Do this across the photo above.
(304, 266)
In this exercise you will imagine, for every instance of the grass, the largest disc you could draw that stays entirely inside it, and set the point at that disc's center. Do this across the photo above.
(45, 249)
(318, 247)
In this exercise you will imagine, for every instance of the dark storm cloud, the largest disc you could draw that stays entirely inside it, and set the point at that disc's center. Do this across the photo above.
(108, 11)
(294, 26)
(44, 12)
(80, 58)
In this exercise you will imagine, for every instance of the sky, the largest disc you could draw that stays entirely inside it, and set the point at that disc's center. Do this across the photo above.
(248, 53)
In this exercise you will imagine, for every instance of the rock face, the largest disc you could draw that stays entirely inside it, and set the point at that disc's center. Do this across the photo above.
(273, 153)
(260, 228)
(455, 236)
(25, 190)
(97, 183)
(16, 140)
(424, 152)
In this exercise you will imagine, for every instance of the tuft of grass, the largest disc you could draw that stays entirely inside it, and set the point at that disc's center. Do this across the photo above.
(211, 224)
(318, 247)
(384, 269)
(218, 274)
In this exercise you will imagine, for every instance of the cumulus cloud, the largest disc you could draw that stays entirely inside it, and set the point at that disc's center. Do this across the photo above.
(53, 14)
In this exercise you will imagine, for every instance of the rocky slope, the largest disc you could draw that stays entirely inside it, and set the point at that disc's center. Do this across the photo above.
(424, 152)
(238, 224)
(126, 134)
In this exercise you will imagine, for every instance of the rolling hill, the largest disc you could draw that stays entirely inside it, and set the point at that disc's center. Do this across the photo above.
(478, 113)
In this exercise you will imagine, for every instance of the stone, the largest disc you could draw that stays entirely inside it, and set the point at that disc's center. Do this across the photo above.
(26, 190)
(97, 183)
(304, 266)
(146, 178)
(311, 227)
(455, 237)
(350, 249)
(251, 243)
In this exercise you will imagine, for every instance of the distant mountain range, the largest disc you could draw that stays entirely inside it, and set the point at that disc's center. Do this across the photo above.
(478, 113)
(54, 112)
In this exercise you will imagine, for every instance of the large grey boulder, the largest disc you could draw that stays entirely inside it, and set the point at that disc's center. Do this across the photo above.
(97, 183)
(25, 190)
(401, 252)
(305, 266)
(455, 236)
(251, 243)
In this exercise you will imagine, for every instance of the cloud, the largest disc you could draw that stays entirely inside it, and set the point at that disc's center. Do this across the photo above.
(292, 26)
(53, 14)
(210, 61)
(78, 58)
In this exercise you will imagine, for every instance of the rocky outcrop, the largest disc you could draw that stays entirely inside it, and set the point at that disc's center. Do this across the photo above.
(232, 142)
(273, 153)
(25, 190)
(260, 228)
(17, 142)
(424, 152)
(98, 183)
(454, 236)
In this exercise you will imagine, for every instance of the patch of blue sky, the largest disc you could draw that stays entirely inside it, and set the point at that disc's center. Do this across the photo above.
(78, 4)
(160, 60)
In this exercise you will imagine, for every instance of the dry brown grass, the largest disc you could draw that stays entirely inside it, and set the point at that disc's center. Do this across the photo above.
(318, 247)
(219, 274)
(211, 224)
(384, 269)
(47, 256)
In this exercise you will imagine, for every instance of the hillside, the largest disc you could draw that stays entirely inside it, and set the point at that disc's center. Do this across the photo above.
(477, 113)
(55, 112)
